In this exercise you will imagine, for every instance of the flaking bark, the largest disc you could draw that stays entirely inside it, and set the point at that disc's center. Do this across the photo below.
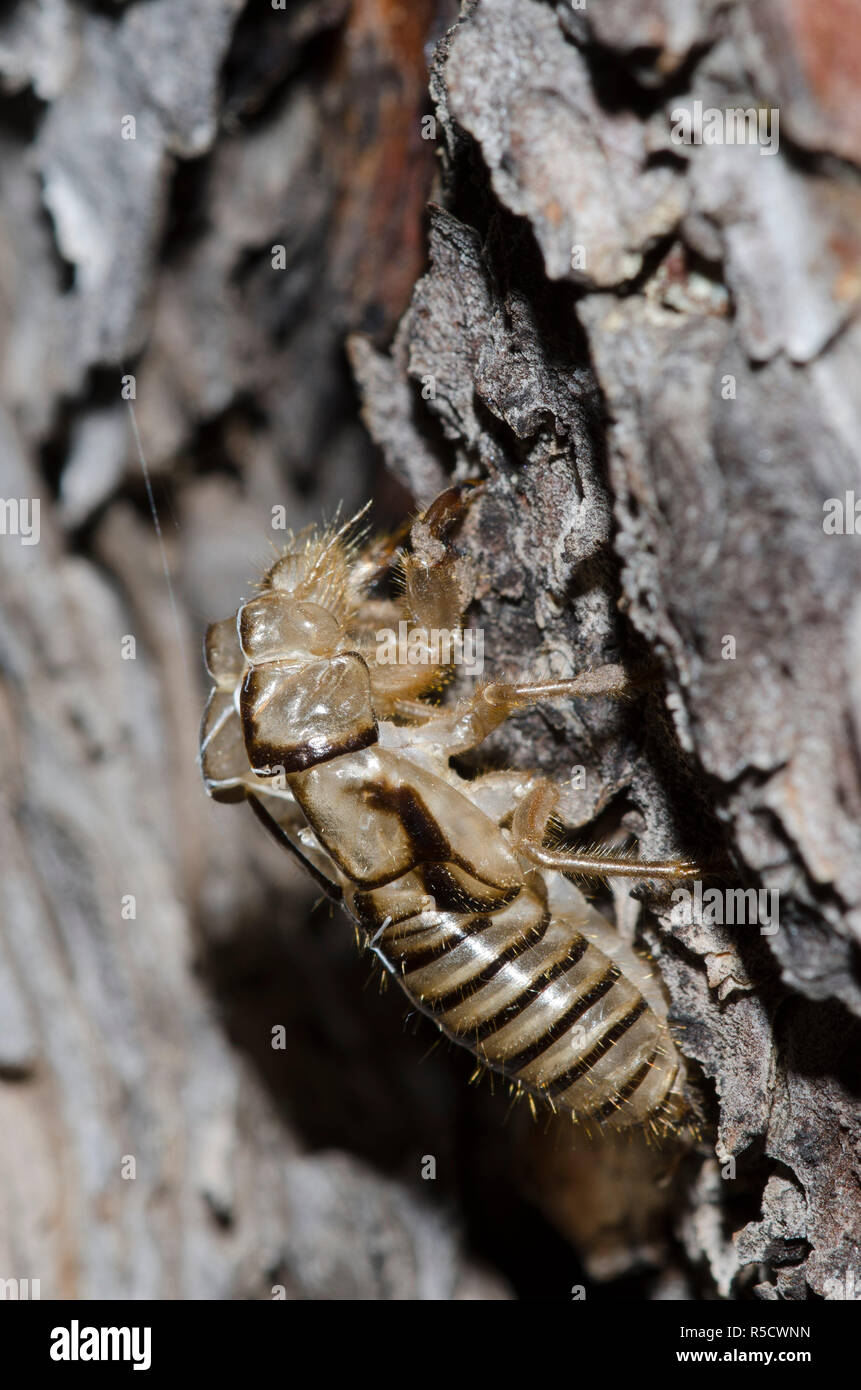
(658, 423)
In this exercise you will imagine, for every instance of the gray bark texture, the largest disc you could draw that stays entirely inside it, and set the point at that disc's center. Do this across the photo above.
(648, 354)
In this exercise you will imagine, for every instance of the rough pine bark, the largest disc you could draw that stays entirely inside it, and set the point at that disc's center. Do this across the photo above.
(349, 248)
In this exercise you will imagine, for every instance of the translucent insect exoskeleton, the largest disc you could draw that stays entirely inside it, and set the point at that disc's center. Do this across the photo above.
(450, 881)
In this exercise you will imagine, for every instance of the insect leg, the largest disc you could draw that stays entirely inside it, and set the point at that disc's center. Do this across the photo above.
(417, 658)
(469, 723)
(529, 827)
(612, 680)
(284, 831)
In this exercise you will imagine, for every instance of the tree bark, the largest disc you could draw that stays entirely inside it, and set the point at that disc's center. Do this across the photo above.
(647, 352)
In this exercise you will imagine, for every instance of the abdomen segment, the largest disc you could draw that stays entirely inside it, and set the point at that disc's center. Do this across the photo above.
(532, 997)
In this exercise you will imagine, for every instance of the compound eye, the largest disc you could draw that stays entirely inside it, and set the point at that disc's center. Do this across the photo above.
(222, 652)
(275, 627)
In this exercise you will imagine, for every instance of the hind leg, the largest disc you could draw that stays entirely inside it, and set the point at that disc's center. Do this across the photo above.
(529, 828)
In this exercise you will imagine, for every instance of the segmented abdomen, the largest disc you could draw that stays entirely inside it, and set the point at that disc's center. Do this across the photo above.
(528, 994)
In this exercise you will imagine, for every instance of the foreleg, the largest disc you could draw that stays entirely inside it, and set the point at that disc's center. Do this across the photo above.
(470, 722)
(414, 656)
